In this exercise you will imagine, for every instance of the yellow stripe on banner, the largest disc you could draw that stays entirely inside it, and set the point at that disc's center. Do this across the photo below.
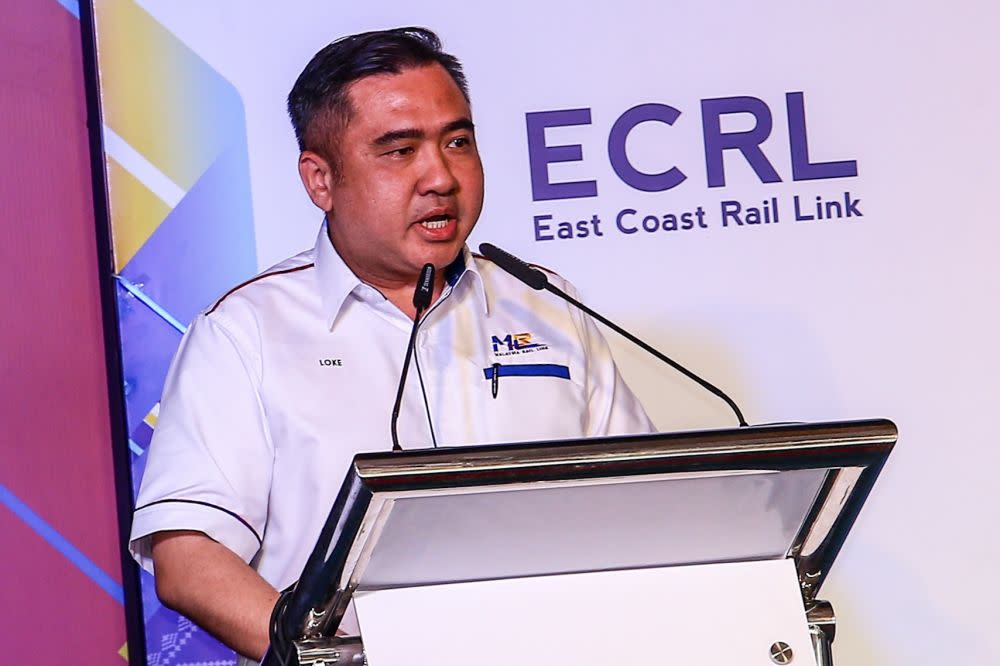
(157, 94)
(123, 652)
(135, 212)
(151, 418)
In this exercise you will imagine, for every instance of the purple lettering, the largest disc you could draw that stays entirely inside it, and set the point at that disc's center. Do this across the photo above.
(646, 182)
(747, 142)
(541, 155)
(802, 168)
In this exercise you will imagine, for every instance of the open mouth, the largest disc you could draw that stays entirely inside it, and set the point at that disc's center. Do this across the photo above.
(435, 222)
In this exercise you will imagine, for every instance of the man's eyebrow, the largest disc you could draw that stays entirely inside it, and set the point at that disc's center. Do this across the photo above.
(460, 124)
(413, 133)
(398, 135)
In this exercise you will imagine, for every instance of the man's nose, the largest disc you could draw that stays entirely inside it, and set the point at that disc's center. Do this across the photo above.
(438, 175)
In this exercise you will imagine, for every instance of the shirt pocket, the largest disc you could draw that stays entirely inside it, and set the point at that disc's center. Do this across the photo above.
(536, 401)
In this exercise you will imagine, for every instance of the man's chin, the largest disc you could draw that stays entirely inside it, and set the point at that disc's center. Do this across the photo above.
(442, 259)
(439, 254)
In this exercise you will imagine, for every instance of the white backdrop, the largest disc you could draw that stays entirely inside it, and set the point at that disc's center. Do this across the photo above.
(890, 314)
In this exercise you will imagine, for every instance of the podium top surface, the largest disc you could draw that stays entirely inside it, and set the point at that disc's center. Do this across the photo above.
(510, 511)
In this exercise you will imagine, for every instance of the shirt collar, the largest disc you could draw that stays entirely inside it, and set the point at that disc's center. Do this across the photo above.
(337, 281)
(465, 270)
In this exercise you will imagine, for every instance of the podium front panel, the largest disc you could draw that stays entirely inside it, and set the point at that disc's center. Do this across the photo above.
(434, 537)
(707, 615)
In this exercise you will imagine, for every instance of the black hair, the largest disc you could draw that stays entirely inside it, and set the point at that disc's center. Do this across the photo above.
(318, 99)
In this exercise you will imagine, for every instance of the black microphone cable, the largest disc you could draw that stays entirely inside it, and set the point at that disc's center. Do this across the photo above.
(422, 296)
(537, 280)
(427, 404)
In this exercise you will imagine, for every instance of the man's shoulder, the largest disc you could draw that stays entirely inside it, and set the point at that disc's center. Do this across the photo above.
(509, 299)
(273, 287)
(496, 277)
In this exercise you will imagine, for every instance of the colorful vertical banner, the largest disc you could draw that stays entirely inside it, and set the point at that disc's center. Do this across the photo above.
(182, 229)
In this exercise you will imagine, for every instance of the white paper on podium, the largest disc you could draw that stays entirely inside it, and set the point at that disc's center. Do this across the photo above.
(710, 615)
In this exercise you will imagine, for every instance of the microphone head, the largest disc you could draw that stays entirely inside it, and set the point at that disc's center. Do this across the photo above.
(425, 288)
(529, 275)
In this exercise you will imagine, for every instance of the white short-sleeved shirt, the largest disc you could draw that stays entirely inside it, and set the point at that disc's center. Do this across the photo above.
(278, 385)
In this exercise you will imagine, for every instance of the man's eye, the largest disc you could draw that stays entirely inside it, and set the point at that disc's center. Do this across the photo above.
(460, 142)
(405, 150)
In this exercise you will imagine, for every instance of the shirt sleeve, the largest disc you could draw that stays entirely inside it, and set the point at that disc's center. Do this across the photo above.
(210, 458)
(612, 408)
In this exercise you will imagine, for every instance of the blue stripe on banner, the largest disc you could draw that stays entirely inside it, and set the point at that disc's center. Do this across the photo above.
(530, 370)
(150, 303)
(142, 435)
(72, 6)
(135, 448)
(60, 543)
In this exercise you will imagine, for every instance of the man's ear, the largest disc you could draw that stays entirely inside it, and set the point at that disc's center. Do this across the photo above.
(317, 175)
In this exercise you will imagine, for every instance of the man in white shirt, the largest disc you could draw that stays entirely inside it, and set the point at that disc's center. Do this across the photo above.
(279, 383)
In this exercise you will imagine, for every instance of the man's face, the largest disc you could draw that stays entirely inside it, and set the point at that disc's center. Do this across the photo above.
(409, 183)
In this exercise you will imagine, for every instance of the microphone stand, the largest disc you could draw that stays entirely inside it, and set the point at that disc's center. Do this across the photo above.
(295, 603)
(536, 279)
(421, 301)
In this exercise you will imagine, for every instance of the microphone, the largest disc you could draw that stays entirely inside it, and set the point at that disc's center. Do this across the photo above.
(421, 301)
(537, 280)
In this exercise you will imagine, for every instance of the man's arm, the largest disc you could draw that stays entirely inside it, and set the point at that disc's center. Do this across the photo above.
(211, 585)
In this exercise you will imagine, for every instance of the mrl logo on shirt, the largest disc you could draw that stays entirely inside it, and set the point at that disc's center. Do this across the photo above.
(516, 343)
